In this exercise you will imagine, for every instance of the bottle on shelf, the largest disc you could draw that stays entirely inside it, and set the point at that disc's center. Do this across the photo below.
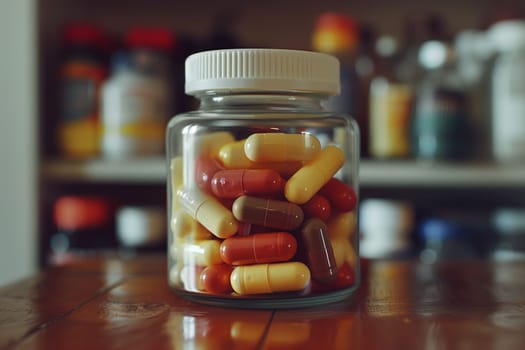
(390, 105)
(82, 72)
(141, 228)
(508, 90)
(137, 99)
(337, 34)
(385, 228)
(83, 225)
(440, 127)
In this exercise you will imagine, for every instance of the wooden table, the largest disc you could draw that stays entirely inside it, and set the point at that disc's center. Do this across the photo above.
(125, 304)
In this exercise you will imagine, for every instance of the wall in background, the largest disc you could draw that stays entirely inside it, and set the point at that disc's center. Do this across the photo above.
(18, 132)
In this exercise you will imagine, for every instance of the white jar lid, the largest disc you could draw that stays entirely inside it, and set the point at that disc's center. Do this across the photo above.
(262, 69)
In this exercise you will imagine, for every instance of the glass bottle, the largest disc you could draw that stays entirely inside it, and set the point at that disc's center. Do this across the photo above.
(262, 184)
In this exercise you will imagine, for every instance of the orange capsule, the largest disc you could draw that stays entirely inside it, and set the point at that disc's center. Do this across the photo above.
(260, 248)
(216, 278)
(319, 251)
(342, 196)
(237, 182)
(317, 207)
(272, 213)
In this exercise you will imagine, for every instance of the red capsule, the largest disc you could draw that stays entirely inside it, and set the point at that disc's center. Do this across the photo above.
(341, 196)
(237, 182)
(216, 278)
(205, 168)
(344, 279)
(260, 248)
(317, 207)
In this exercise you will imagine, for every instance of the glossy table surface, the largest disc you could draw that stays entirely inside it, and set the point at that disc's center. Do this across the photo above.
(110, 303)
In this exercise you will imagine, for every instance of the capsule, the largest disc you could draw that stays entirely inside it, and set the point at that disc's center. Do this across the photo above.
(237, 182)
(175, 181)
(183, 225)
(205, 168)
(281, 147)
(270, 278)
(317, 207)
(343, 252)
(268, 212)
(208, 211)
(232, 156)
(195, 145)
(216, 278)
(259, 248)
(319, 251)
(342, 196)
(202, 253)
(308, 180)
(190, 278)
(342, 225)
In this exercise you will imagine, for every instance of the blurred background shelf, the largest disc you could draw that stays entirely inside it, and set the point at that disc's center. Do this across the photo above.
(402, 174)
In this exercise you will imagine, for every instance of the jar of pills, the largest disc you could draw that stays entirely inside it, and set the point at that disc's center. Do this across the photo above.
(262, 184)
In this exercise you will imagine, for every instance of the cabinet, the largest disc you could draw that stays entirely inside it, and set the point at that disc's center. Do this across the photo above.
(142, 181)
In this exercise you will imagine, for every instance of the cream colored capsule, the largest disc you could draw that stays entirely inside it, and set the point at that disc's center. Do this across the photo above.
(176, 181)
(305, 183)
(184, 226)
(208, 211)
(281, 147)
(342, 225)
(270, 278)
(195, 145)
(232, 156)
(201, 253)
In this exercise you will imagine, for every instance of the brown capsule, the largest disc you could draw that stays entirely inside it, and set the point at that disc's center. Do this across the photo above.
(268, 212)
(319, 252)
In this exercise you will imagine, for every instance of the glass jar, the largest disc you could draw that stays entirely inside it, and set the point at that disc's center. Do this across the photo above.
(262, 184)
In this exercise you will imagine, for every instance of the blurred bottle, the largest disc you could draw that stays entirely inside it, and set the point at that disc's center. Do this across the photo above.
(509, 224)
(508, 90)
(390, 105)
(366, 66)
(141, 228)
(337, 34)
(137, 100)
(473, 61)
(82, 71)
(440, 125)
(447, 237)
(83, 224)
(385, 227)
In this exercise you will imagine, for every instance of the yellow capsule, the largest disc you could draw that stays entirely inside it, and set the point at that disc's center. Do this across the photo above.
(342, 225)
(209, 212)
(184, 226)
(343, 252)
(232, 156)
(305, 183)
(281, 147)
(201, 253)
(270, 278)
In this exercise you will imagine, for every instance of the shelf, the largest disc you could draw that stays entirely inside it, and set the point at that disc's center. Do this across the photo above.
(372, 173)
(143, 170)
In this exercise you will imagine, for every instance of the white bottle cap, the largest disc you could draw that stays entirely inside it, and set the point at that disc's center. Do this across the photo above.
(263, 70)
(507, 35)
(141, 226)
